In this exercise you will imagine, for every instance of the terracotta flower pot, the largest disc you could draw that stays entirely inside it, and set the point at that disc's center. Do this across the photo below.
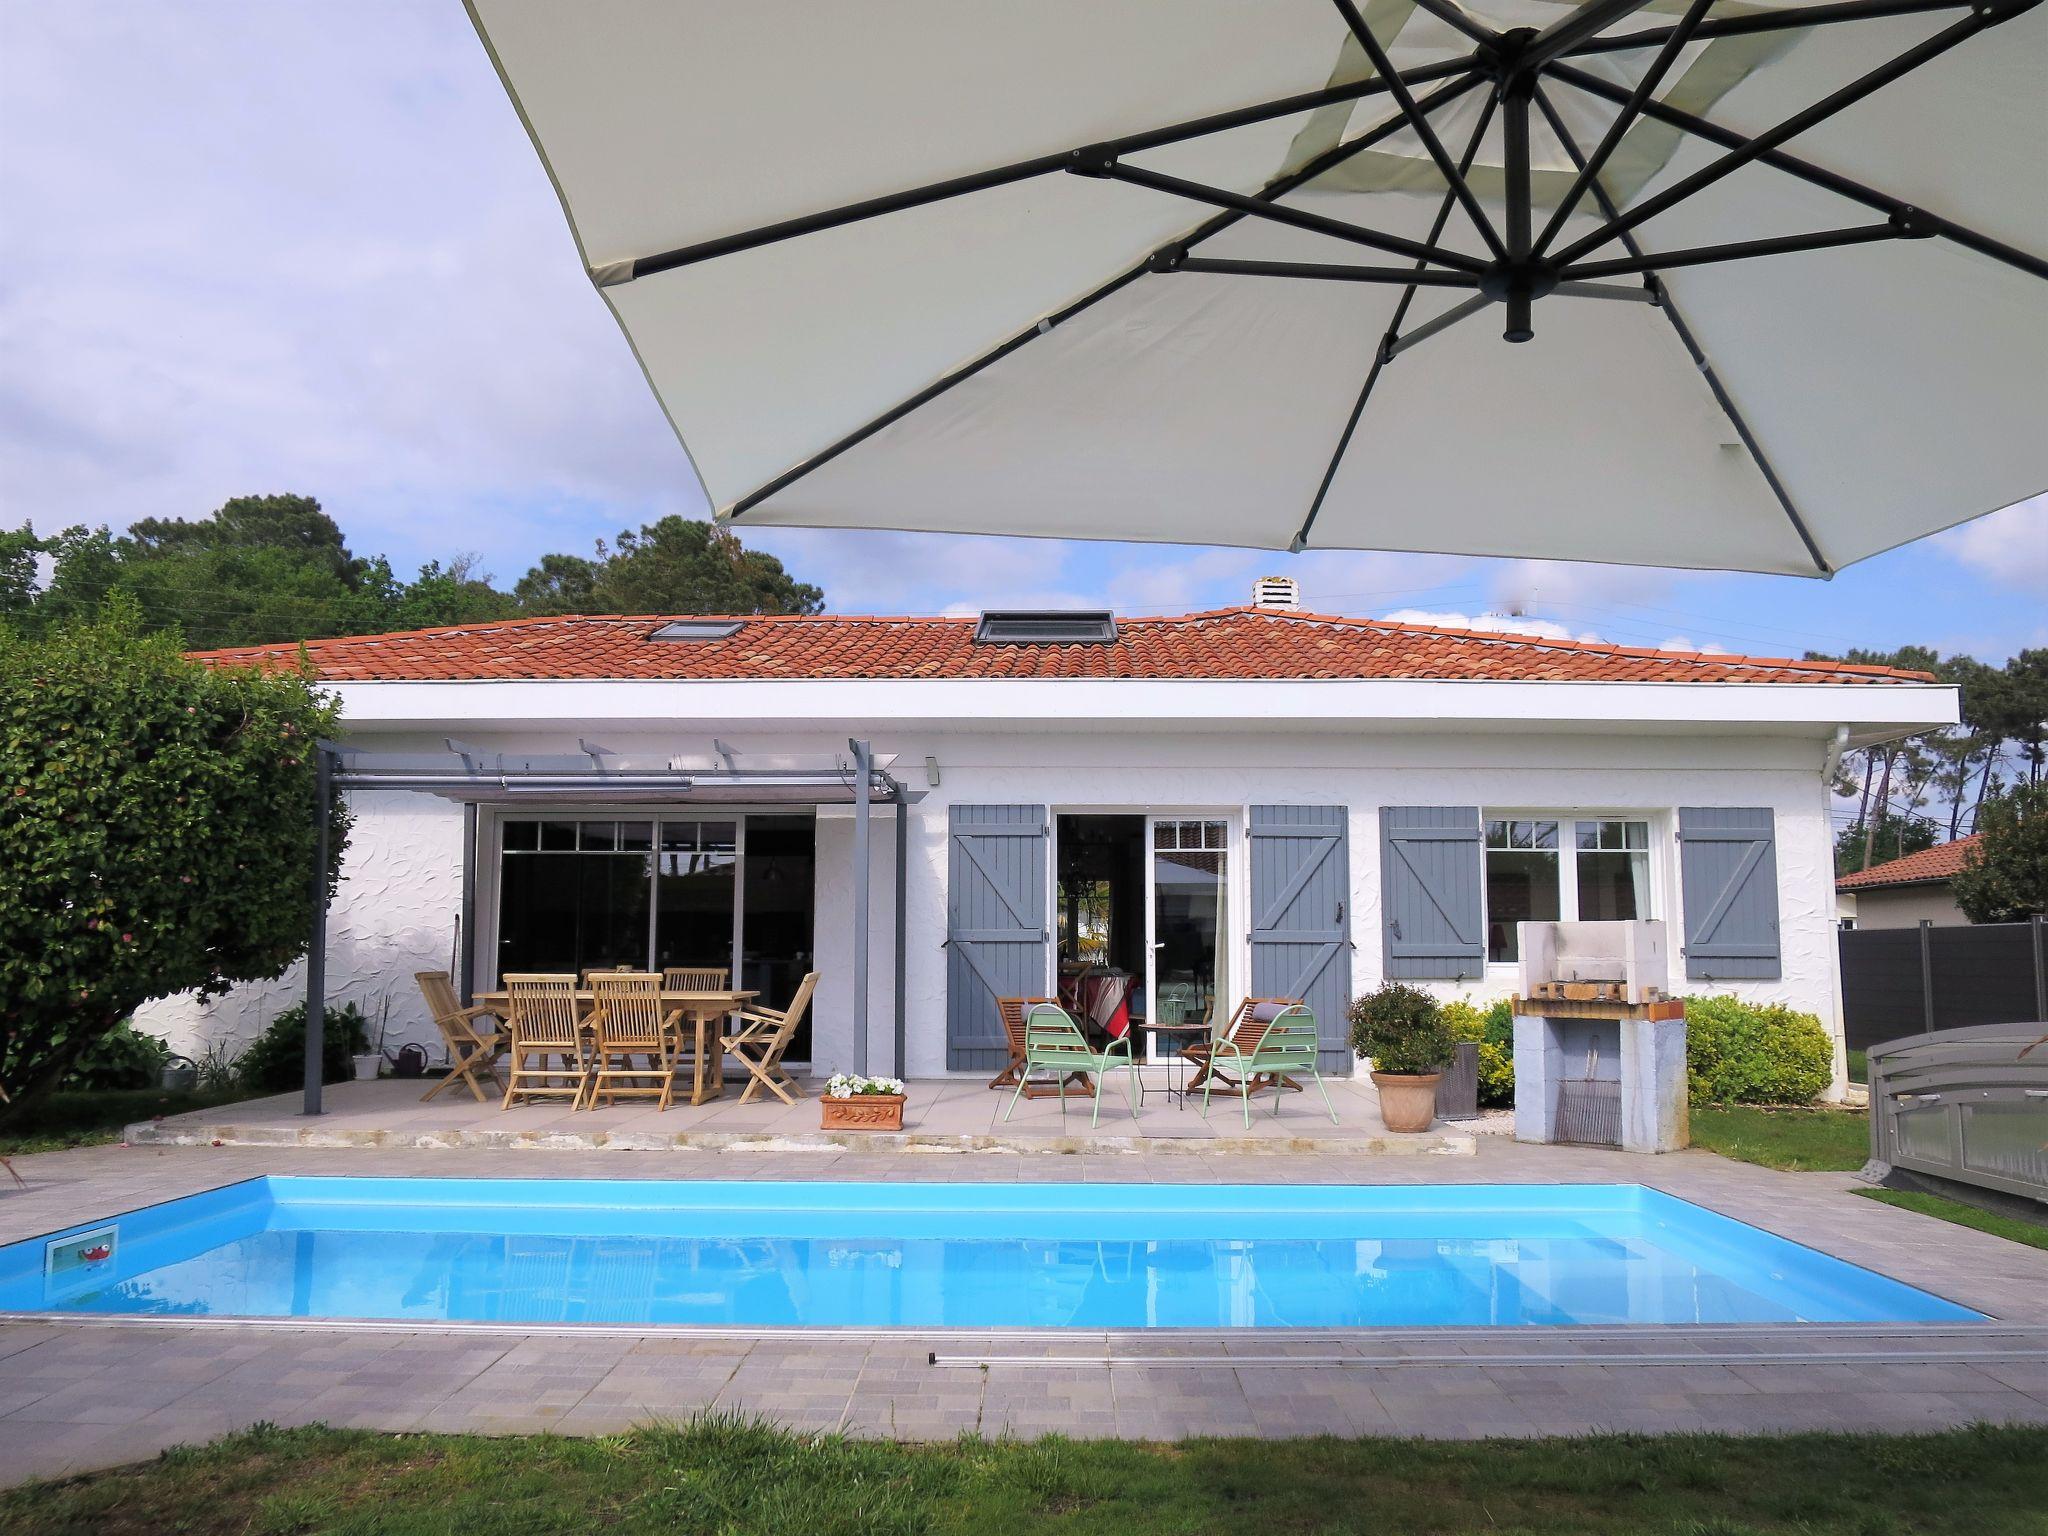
(863, 1112)
(1407, 1103)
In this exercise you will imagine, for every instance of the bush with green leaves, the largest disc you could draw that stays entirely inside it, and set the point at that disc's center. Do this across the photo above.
(2004, 879)
(124, 1057)
(156, 817)
(1402, 1029)
(275, 1061)
(1755, 1053)
(1492, 1029)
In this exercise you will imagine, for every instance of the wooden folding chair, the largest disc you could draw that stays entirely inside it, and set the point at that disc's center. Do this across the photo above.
(470, 1051)
(1013, 1010)
(763, 1035)
(543, 1024)
(627, 1014)
(694, 978)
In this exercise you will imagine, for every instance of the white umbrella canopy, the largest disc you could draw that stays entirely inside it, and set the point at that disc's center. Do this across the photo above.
(1209, 271)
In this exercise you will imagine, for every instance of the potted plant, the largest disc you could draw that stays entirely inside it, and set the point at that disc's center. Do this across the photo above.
(856, 1103)
(1402, 1029)
(369, 1063)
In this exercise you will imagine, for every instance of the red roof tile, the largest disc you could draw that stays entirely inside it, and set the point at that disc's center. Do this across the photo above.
(1230, 643)
(1936, 863)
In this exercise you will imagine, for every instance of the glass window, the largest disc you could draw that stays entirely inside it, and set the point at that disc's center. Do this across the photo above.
(696, 891)
(779, 875)
(1190, 920)
(562, 907)
(1521, 882)
(1613, 870)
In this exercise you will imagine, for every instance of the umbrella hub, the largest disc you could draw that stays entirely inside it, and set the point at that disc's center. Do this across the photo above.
(1518, 282)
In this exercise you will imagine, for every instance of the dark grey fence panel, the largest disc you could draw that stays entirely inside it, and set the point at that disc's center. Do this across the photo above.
(1906, 981)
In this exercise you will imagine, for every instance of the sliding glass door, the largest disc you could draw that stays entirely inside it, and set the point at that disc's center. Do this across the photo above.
(579, 892)
(1190, 920)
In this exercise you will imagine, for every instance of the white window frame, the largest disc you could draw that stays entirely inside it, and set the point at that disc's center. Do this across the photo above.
(1657, 824)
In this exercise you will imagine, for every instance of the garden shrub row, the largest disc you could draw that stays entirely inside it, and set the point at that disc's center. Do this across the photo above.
(1736, 1052)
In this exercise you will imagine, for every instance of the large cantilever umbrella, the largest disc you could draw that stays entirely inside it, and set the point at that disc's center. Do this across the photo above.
(1248, 271)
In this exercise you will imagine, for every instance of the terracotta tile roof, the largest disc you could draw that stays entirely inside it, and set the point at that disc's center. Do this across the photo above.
(1230, 643)
(1936, 863)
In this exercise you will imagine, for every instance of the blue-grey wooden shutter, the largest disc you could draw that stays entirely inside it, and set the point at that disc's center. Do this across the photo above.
(1728, 872)
(1430, 880)
(995, 926)
(1301, 916)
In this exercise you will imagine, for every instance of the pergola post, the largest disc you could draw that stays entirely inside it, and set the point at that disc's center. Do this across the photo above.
(316, 949)
(902, 926)
(863, 771)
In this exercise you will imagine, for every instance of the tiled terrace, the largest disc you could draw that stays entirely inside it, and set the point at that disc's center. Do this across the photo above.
(75, 1395)
(951, 1114)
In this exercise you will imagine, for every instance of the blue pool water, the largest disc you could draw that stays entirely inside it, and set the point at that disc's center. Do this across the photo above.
(954, 1255)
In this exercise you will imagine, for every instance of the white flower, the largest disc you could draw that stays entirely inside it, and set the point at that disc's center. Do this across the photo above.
(847, 1085)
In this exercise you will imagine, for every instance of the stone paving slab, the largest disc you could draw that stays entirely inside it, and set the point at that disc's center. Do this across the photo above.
(86, 1393)
(942, 1116)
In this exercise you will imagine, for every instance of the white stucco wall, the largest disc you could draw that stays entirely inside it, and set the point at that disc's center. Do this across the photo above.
(1903, 906)
(396, 913)
(401, 893)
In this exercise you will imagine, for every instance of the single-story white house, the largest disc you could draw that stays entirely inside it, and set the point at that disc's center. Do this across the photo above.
(1251, 799)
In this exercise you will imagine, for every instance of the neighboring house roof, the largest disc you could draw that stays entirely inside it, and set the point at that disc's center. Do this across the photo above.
(1923, 868)
(1250, 644)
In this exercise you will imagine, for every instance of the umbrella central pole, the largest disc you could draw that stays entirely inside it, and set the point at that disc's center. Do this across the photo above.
(1520, 278)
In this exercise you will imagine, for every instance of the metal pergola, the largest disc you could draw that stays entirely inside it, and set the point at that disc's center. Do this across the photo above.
(1522, 263)
(594, 775)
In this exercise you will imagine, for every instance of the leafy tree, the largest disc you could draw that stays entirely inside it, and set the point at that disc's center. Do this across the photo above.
(451, 594)
(560, 584)
(1893, 838)
(676, 565)
(2004, 879)
(155, 817)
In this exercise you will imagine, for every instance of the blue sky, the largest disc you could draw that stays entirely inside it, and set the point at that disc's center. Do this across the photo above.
(253, 245)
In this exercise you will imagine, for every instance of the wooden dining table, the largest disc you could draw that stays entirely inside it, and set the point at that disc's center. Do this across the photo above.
(701, 1010)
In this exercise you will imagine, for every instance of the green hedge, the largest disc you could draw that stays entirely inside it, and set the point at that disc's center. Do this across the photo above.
(1748, 1053)
(123, 1057)
(1736, 1052)
(275, 1061)
(1494, 1031)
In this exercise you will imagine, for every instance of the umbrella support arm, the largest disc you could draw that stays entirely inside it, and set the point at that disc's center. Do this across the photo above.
(1769, 21)
(1806, 170)
(1692, 347)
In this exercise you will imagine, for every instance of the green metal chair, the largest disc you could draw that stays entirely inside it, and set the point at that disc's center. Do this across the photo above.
(1054, 1041)
(1286, 1049)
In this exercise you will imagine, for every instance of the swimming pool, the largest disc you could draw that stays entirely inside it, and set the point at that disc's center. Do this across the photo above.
(764, 1254)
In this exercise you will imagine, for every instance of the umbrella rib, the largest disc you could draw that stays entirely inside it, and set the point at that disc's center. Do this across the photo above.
(624, 271)
(1771, 21)
(1751, 149)
(1454, 175)
(1385, 352)
(1358, 234)
(1692, 347)
(1326, 271)
(1743, 250)
(1280, 186)
(1806, 170)
(1625, 118)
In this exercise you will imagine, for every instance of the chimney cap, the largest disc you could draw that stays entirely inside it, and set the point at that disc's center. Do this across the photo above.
(1276, 592)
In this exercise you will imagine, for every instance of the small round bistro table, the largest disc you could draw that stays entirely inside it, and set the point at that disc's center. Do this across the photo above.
(1174, 1036)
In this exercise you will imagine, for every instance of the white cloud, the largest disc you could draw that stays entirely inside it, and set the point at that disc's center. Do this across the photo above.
(1503, 623)
(2010, 547)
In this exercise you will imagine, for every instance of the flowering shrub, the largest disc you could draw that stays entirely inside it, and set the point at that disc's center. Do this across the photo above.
(850, 1085)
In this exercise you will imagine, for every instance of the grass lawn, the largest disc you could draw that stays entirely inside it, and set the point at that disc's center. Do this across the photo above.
(59, 1120)
(721, 1476)
(1796, 1140)
(2033, 1234)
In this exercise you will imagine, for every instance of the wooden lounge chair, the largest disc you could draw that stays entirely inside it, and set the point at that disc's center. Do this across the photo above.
(626, 1013)
(1283, 1051)
(1012, 1010)
(1242, 1030)
(543, 1025)
(764, 1034)
(470, 1050)
(695, 978)
(1052, 1039)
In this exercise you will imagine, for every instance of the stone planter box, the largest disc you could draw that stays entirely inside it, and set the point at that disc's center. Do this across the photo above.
(863, 1112)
